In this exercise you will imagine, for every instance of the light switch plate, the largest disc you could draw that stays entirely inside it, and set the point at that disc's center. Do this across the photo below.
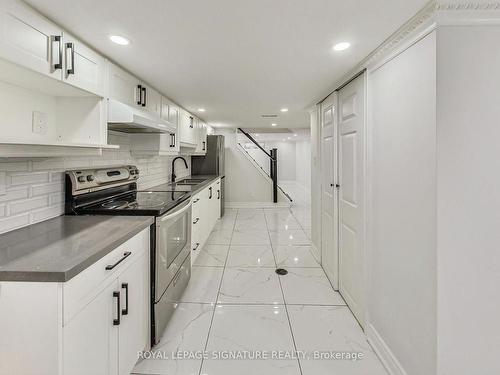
(40, 122)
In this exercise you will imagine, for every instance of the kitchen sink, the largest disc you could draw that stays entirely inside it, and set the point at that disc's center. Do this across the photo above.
(190, 181)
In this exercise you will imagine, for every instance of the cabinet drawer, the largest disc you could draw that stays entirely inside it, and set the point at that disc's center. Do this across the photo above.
(80, 290)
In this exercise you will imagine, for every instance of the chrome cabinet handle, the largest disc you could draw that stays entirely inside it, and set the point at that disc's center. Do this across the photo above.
(196, 220)
(125, 255)
(125, 310)
(57, 38)
(116, 322)
(196, 247)
(71, 46)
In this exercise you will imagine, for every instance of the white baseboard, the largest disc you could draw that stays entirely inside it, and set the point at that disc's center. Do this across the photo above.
(256, 205)
(384, 352)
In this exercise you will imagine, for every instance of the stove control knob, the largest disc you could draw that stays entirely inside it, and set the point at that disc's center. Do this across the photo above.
(90, 178)
(81, 178)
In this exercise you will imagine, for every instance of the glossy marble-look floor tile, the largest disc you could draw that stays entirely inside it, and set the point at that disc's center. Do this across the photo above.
(249, 286)
(212, 256)
(309, 286)
(250, 237)
(251, 328)
(220, 237)
(250, 367)
(204, 285)
(250, 256)
(236, 302)
(294, 256)
(292, 237)
(343, 335)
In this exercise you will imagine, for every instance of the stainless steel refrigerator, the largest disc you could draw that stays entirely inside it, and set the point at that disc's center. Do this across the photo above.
(212, 163)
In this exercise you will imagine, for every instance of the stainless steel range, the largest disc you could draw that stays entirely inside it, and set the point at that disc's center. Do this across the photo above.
(113, 191)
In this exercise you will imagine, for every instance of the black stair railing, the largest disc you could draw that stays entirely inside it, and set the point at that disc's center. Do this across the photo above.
(273, 159)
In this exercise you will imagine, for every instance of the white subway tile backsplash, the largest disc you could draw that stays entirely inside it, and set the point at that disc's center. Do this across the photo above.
(28, 178)
(20, 166)
(46, 213)
(35, 188)
(14, 222)
(28, 205)
(14, 194)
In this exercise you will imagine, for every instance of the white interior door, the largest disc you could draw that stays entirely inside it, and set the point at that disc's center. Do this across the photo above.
(329, 201)
(351, 130)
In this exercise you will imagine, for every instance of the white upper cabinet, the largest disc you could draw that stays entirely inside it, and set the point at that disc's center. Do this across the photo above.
(124, 87)
(30, 40)
(201, 138)
(187, 129)
(83, 67)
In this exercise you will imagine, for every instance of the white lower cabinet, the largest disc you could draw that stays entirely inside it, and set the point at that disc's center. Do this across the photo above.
(206, 211)
(95, 323)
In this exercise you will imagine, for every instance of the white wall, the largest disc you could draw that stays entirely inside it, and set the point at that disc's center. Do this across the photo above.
(468, 191)
(35, 187)
(402, 224)
(244, 183)
(303, 164)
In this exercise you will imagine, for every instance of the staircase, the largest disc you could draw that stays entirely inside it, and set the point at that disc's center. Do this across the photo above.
(272, 175)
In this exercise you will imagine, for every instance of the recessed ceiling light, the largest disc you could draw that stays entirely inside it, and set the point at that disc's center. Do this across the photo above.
(201, 109)
(257, 134)
(289, 138)
(295, 135)
(122, 41)
(341, 46)
(284, 109)
(273, 124)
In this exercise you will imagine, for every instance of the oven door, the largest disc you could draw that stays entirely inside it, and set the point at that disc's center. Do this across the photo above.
(173, 244)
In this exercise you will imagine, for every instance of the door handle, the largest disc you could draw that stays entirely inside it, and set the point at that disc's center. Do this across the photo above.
(125, 255)
(196, 200)
(218, 194)
(210, 190)
(139, 96)
(196, 220)
(204, 145)
(116, 322)
(125, 310)
(71, 46)
(196, 247)
(57, 38)
(172, 140)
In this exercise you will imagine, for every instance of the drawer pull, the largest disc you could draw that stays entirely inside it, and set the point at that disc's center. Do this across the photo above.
(196, 247)
(116, 322)
(125, 255)
(125, 310)
(196, 220)
(196, 200)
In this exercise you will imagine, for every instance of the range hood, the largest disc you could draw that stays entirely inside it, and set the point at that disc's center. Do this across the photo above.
(127, 119)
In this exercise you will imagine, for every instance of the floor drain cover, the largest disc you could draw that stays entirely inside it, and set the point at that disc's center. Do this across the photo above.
(281, 271)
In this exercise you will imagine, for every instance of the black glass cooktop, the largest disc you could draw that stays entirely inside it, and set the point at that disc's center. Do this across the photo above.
(137, 203)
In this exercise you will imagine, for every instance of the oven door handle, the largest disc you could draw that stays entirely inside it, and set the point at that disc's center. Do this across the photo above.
(178, 211)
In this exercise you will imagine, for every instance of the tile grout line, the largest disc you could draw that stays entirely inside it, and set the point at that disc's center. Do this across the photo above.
(284, 300)
(218, 292)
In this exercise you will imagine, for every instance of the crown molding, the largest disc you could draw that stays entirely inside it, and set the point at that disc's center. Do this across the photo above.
(434, 14)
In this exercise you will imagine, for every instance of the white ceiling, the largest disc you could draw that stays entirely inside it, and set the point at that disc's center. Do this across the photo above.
(236, 58)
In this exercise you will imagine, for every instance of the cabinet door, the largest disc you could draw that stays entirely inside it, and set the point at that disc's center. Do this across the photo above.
(134, 331)
(30, 40)
(152, 100)
(186, 127)
(91, 337)
(83, 67)
(123, 86)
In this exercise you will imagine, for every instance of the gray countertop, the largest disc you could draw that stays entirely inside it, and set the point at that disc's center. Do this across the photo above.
(58, 249)
(193, 189)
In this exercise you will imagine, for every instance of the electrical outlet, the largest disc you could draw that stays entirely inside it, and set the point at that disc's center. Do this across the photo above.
(40, 123)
